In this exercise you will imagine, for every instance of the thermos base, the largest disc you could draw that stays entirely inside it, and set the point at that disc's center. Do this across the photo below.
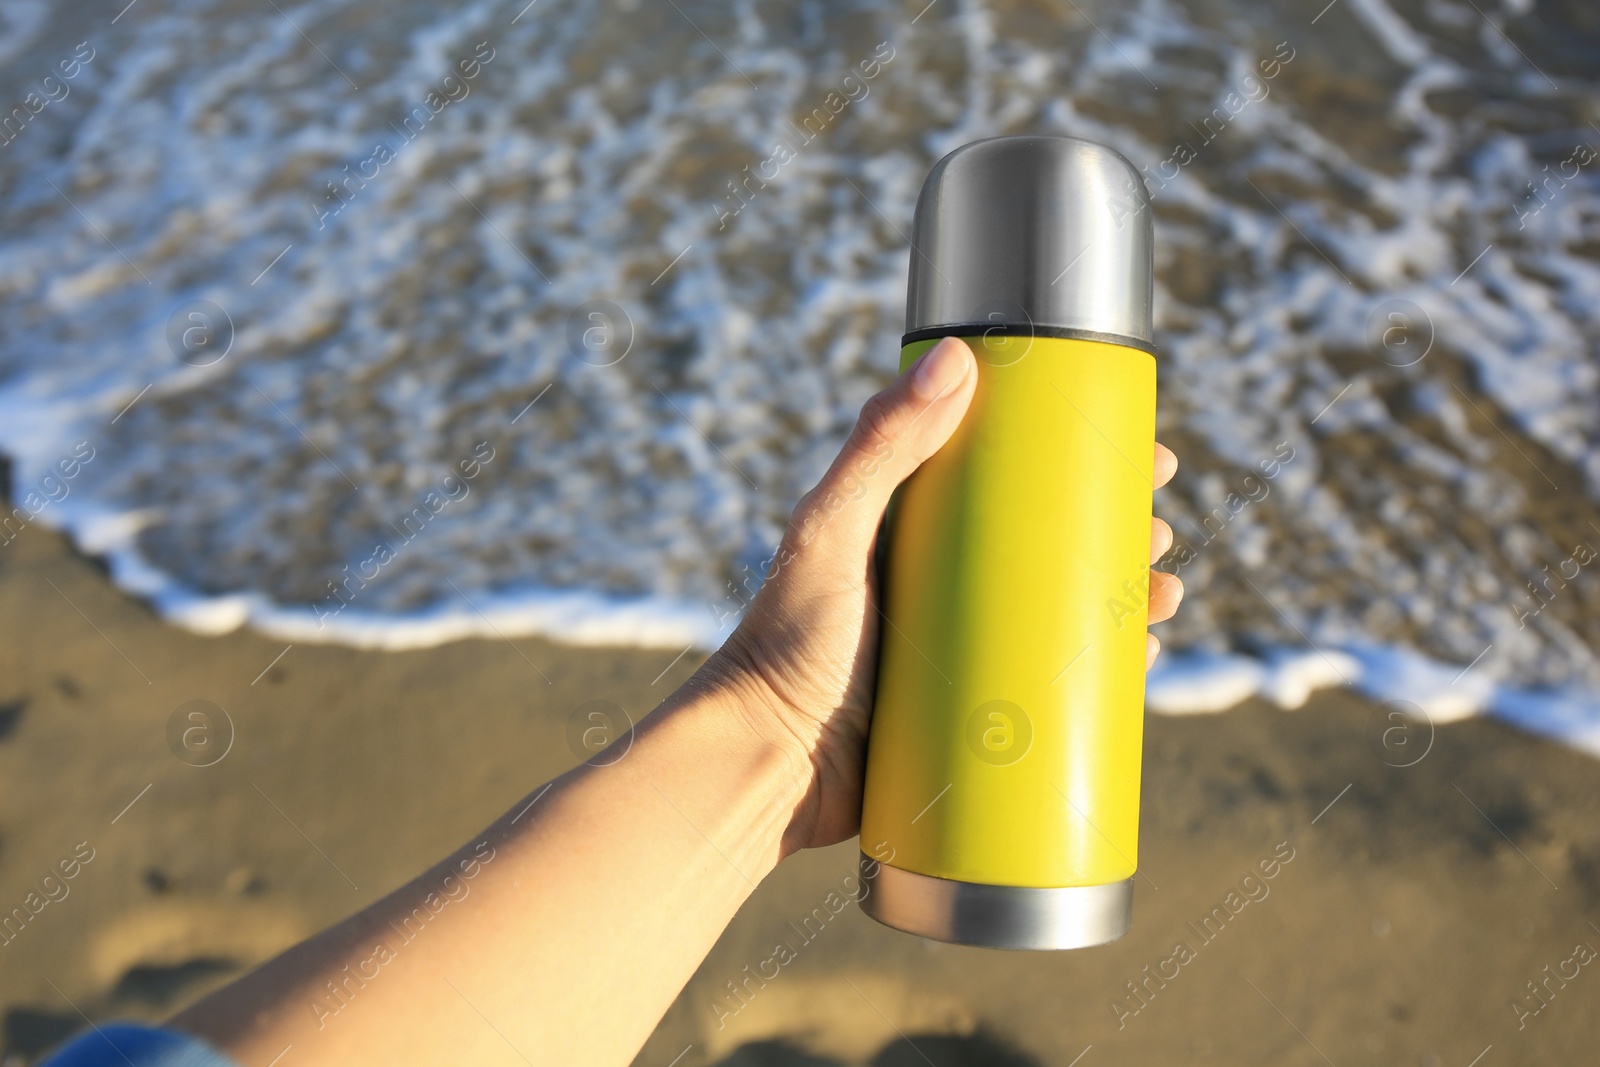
(996, 916)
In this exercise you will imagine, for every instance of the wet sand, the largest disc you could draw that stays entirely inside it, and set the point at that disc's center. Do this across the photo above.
(1401, 929)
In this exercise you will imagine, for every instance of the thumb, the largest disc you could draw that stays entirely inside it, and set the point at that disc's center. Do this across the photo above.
(897, 430)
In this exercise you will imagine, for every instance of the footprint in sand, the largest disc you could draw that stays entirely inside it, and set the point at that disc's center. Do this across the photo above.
(855, 1021)
(173, 947)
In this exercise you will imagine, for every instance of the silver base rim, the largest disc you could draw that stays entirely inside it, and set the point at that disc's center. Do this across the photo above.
(996, 916)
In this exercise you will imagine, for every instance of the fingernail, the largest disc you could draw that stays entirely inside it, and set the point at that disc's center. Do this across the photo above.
(940, 369)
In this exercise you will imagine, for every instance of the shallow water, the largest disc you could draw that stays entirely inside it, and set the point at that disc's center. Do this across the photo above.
(1361, 292)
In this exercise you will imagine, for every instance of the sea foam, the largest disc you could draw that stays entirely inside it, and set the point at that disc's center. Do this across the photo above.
(1389, 165)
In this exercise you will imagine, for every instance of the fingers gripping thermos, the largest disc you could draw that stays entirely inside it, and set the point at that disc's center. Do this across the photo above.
(1002, 792)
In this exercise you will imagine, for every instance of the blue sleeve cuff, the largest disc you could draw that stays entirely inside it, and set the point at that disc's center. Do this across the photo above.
(121, 1044)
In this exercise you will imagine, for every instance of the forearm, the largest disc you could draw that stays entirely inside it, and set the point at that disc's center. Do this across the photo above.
(561, 933)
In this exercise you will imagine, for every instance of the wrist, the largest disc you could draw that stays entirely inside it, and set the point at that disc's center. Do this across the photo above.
(750, 716)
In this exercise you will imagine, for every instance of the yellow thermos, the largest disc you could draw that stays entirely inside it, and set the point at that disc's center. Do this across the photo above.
(1002, 789)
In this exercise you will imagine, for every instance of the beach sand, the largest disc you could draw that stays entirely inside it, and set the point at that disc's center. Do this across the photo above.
(1412, 912)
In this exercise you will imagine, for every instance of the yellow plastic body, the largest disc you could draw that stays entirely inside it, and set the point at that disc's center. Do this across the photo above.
(1008, 726)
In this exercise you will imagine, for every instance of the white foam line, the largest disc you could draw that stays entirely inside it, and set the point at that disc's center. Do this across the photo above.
(573, 617)
(1197, 682)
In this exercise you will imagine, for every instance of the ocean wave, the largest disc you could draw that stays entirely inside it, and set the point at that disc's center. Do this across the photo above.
(1378, 252)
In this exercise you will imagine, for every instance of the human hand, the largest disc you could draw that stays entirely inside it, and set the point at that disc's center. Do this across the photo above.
(805, 654)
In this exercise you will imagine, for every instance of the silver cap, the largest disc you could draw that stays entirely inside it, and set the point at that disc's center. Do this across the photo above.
(1044, 235)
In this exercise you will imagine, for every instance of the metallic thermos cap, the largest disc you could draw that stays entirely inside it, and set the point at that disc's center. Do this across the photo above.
(1044, 235)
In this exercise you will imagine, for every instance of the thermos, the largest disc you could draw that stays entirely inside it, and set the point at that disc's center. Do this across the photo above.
(1002, 786)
